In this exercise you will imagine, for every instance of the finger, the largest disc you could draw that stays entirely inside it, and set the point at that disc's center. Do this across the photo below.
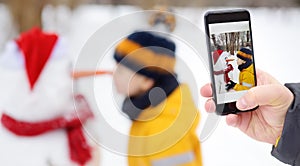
(206, 90)
(210, 106)
(262, 95)
(233, 120)
(240, 121)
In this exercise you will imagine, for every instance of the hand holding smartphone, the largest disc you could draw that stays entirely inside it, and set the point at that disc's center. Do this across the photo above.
(231, 57)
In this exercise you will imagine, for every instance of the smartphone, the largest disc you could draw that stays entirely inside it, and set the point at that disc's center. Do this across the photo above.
(231, 57)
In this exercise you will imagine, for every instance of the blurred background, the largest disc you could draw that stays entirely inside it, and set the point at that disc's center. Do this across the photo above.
(55, 15)
(275, 25)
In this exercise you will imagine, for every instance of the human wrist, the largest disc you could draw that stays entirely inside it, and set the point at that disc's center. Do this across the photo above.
(287, 149)
(295, 90)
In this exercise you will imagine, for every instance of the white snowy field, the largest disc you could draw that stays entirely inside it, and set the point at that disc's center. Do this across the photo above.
(276, 39)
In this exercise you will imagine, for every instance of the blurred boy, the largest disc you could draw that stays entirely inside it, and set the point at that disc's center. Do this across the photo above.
(164, 117)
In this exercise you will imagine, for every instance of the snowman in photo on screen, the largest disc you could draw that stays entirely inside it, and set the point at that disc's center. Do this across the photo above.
(39, 125)
(222, 68)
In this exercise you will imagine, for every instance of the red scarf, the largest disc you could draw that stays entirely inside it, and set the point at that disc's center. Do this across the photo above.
(225, 72)
(80, 151)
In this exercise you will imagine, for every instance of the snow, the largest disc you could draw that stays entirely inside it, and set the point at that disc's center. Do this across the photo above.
(276, 38)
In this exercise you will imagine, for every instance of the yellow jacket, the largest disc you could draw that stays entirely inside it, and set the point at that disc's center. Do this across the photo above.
(246, 79)
(165, 135)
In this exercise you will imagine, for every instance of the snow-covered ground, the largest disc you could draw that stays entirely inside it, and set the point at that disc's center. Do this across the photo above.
(276, 39)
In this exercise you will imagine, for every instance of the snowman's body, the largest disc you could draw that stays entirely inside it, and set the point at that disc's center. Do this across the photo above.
(219, 65)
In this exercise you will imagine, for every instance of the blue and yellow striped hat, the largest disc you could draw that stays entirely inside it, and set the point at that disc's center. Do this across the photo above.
(245, 54)
(147, 54)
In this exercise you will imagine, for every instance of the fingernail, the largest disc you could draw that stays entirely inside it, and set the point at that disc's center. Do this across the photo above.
(231, 121)
(232, 124)
(242, 104)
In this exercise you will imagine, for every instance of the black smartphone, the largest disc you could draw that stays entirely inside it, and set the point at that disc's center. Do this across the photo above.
(231, 57)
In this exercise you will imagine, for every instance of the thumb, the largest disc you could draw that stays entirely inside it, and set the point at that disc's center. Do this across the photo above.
(272, 94)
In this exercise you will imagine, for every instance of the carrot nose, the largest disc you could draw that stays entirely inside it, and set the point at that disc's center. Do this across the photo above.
(229, 60)
(80, 74)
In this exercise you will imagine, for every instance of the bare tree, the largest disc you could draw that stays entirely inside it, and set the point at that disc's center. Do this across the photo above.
(237, 41)
(231, 41)
(27, 14)
(226, 39)
(213, 38)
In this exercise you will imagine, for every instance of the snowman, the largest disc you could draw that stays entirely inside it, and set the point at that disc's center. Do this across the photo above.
(221, 69)
(39, 125)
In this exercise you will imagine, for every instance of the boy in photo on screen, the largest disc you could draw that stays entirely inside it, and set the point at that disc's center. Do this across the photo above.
(246, 76)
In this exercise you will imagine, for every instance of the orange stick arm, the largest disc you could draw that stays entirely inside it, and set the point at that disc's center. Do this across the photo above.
(80, 74)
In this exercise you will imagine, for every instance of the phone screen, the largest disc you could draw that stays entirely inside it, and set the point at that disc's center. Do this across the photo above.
(231, 56)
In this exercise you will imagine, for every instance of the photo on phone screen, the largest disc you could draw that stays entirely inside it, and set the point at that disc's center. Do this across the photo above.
(231, 57)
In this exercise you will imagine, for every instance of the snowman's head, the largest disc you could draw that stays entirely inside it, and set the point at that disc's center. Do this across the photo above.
(32, 90)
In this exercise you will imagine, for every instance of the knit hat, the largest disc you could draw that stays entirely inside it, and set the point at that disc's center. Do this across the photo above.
(245, 54)
(147, 54)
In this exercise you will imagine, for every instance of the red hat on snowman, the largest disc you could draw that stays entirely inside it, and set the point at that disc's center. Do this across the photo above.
(36, 47)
